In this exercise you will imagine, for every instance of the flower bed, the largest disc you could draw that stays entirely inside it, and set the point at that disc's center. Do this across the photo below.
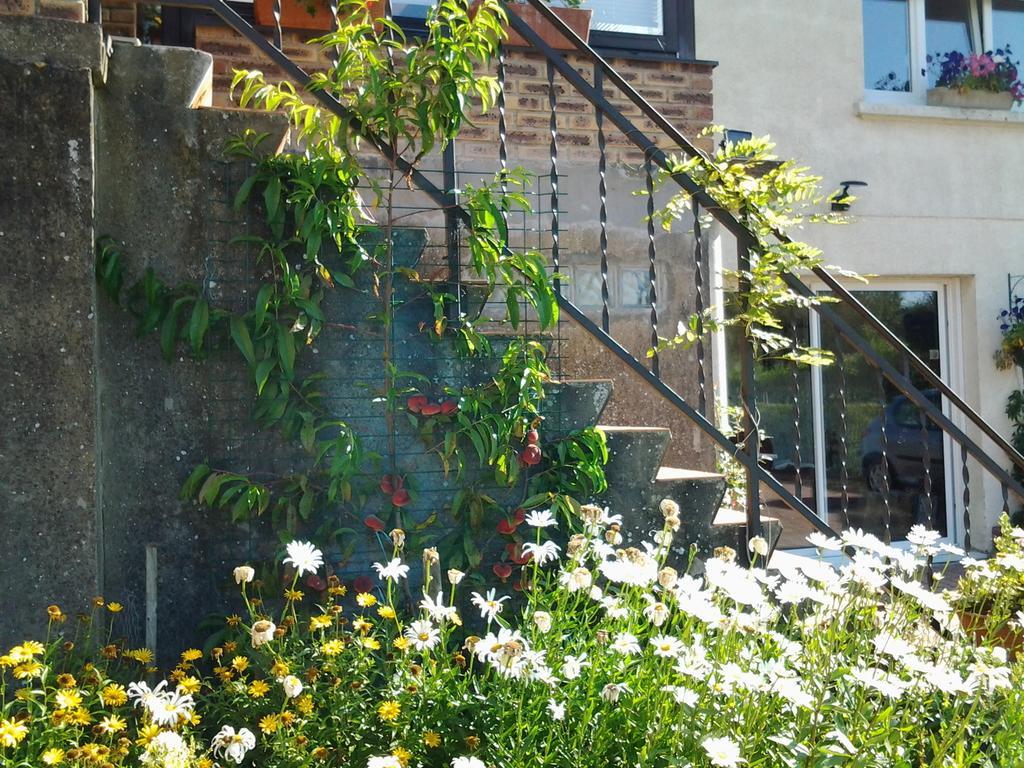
(987, 80)
(614, 658)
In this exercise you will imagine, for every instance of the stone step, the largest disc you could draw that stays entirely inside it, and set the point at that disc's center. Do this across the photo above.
(634, 453)
(729, 529)
(173, 77)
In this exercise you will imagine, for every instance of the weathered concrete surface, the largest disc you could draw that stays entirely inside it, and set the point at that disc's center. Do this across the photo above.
(47, 399)
(161, 194)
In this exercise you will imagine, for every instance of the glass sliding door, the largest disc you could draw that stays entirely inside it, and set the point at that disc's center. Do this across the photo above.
(882, 462)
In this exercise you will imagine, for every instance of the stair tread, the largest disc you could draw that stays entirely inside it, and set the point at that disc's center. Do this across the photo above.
(652, 430)
(726, 516)
(670, 474)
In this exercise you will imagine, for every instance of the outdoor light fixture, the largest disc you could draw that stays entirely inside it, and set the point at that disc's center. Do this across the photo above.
(731, 136)
(840, 200)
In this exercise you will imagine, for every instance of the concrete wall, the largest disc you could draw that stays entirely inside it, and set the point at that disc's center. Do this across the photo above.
(942, 200)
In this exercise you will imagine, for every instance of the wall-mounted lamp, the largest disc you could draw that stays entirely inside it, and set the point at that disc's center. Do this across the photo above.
(731, 136)
(841, 199)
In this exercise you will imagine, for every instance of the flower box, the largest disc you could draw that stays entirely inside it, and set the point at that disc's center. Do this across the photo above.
(976, 625)
(578, 20)
(295, 14)
(969, 99)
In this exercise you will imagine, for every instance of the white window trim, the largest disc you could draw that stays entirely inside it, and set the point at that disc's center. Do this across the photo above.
(981, 31)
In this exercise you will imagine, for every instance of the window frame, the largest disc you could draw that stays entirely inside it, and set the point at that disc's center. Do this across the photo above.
(675, 42)
(981, 33)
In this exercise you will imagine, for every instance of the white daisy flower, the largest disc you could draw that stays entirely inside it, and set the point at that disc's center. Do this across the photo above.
(557, 710)
(542, 553)
(304, 557)
(393, 571)
(667, 646)
(437, 610)
(422, 634)
(231, 745)
(626, 644)
(722, 752)
(489, 606)
(541, 519)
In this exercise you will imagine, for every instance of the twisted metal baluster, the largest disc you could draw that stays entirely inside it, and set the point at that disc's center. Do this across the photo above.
(602, 191)
(553, 125)
(502, 133)
(966, 475)
(926, 477)
(698, 279)
(652, 253)
(844, 455)
(278, 37)
(886, 510)
(794, 390)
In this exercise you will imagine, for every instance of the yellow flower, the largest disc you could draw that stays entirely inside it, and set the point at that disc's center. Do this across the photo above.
(98, 601)
(115, 607)
(79, 717)
(304, 704)
(69, 699)
(332, 647)
(12, 732)
(7, 661)
(204, 762)
(113, 695)
(370, 643)
(340, 591)
(258, 689)
(66, 681)
(362, 625)
(25, 651)
(240, 663)
(365, 599)
(55, 613)
(402, 755)
(386, 612)
(270, 723)
(147, 733)
(190, 685)
(112, 724)
(320, 622)
(141, 655)
(280, 669)
(28, 670)
(234, 620)
(293, 595)
(190, 655)
(287, 718)
(401, 643)
(53, 756)
(432, 739)
(223, 673)
(388, 711)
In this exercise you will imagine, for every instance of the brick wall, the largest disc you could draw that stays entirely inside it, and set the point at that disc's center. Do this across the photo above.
(73, 10)
(682, 91)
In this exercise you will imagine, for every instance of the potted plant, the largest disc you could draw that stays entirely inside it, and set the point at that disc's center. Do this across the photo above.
(990, 595)
(1011, 323)
(312, 14)
(577, 18)
(975, 81)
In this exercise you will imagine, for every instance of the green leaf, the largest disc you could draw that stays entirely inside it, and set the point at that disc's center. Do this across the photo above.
(286, 351)
(208, 493)
(240, 334)
(263, 370)
(188, 489)
(244, 191)
(198, 324)
(272, 198)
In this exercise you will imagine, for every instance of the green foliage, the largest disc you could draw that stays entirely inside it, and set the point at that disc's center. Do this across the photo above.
(770, 197)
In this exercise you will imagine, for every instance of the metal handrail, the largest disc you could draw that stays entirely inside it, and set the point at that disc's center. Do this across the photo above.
(743, 233)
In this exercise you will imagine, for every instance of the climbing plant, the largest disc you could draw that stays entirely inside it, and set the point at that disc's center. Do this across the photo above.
(319, 232)
(769, 196)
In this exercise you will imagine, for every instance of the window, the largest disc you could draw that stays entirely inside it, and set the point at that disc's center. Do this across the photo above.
(635, 288)
(1007, 26)
(586, 286)
(901, 37)
(652, 26)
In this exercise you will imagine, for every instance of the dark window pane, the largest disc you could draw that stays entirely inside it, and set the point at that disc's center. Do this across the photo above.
(1008, 27)
(947, 28)
(886, 45)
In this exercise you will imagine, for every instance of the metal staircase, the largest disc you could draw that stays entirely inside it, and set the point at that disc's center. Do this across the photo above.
(980, 453)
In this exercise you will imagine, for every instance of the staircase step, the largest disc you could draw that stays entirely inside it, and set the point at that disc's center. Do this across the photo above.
(575, 404)
(168, 75)
(730, 530)
(634, 453)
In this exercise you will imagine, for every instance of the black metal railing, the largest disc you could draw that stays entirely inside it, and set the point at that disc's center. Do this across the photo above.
(849, 321)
